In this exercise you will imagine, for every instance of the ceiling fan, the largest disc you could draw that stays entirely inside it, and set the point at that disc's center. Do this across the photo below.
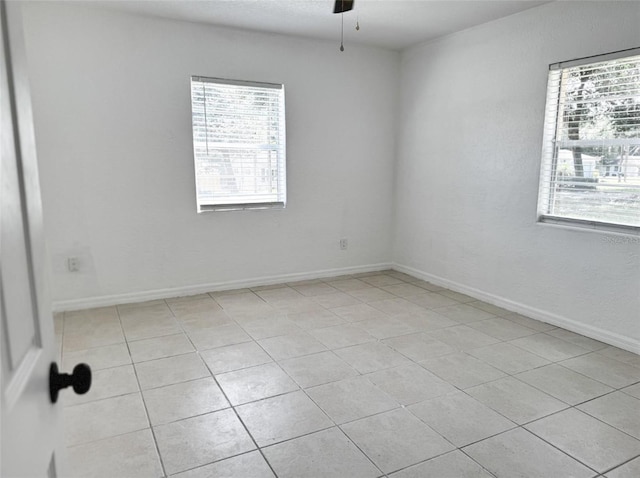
(340, 7)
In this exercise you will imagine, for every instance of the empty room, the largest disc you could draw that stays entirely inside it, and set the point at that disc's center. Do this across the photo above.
(319, 238)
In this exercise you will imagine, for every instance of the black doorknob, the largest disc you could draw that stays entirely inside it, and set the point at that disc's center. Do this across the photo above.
(80, 380)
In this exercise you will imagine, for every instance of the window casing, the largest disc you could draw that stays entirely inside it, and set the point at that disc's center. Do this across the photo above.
(590, 174)
(238, 144)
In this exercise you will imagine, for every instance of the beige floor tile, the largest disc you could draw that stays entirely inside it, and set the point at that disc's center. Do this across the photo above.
(312, 290)
(307, 457)
(463, 313)
(549, 347)
(386, 327)
(432, 300)
(266, 327)
(426, 285)
(409, 383)
(633, 390)
(519, 454)
(247, 465)
(618, 410)
(528, 322)
(357, 312)
(460, 419)
(370, 357)
(462, 370)
(396, 439)
(95, 420)
(502, 329)
(454, 464)
(170, 370)
(342, 336)
(381, 280)
(346, 285)
(564, 384)
(281, 293)
(105, 383)
(187, 306)
(183, 400)
(588, 440)
(292, 345)
(371, 294)
(225, 293)
(138, 328)
(604, 369)
(400, 275)
(315, 319)
(234, 357)
(255, 383)
(126, 308)
(577, 339)
(462, 337)
(254, 311)
(283, 417)
(294, 306)
(228, 334)
(317, 369)
(630, 469)
(492, 309)
(99, 314)
(339, 299)
(97, 358)
(160, 347)
(142, 312)
(621, 355)
(99, 335)
(508, 358)
(201, 440)
(351, 399)
(132, 455)
(418, 346)
(425, 320)
(463, 298)
(397, 306)
(403, 290)
(516, 400)
(204, 320)
(238, 300)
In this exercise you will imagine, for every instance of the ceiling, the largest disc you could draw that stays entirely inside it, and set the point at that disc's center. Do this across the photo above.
(392, 24)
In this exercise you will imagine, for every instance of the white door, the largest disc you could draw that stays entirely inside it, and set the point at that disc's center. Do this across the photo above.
(30, 422)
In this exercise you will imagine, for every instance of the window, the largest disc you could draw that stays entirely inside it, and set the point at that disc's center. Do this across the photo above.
(590, 173)
(238, 144)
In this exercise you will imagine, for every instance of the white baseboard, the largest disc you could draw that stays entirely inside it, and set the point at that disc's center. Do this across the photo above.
(587, 330)
(127, 298)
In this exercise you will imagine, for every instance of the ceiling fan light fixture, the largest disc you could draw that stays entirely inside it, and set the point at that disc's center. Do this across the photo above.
(342, 6)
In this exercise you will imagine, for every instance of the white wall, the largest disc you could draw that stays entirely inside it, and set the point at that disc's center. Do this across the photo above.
(113, 124)
(470, 138)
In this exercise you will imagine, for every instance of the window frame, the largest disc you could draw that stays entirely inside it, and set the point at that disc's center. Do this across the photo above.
(549, 157)
(280, 148)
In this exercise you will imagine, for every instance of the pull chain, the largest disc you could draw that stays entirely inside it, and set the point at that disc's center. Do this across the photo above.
(342, 32)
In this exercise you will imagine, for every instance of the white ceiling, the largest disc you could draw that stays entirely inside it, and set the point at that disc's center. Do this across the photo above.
(393, 24)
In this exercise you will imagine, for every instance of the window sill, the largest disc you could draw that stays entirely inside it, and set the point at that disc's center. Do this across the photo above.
(631, 233)
(239, 207)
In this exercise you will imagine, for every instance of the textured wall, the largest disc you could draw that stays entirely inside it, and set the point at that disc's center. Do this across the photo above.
(470, 142)
(112, 109)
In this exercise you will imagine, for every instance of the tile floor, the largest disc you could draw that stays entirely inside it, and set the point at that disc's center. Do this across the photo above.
(370, 375)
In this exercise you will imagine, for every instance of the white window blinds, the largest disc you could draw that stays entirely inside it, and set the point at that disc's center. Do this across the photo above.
(238, 144)
(591, 153)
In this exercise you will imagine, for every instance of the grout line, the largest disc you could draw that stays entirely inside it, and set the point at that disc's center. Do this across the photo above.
(144, 403)
(332, 350)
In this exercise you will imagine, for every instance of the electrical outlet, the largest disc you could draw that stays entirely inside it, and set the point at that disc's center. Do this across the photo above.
(73, 264)
(344, 243)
